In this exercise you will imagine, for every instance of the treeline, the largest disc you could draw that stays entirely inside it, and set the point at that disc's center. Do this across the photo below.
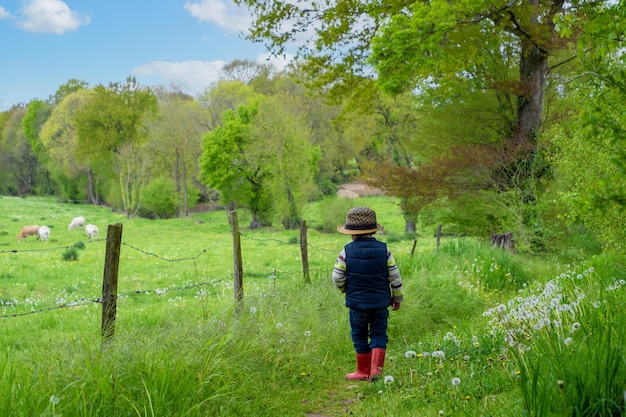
(256, 139)
(514, 122)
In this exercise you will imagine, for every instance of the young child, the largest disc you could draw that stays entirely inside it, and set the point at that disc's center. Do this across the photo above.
(367, 273)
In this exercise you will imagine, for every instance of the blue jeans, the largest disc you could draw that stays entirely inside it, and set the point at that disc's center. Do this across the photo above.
(369, 329)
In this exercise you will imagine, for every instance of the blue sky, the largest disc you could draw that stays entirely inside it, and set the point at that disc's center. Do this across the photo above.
(45, 43)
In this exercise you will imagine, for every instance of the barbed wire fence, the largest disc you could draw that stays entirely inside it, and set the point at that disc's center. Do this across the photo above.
(110, 295)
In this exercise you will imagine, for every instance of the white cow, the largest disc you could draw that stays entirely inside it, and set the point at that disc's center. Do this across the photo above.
(76, 222)
(44, 233)
(92, 231)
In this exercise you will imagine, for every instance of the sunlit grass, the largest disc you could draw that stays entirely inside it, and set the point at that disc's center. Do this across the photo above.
(179, 349)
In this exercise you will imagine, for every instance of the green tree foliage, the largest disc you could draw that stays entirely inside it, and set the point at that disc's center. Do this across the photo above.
(36, 114)
(448, 52)
(66, 89)
(175, 144)
(232, 165)
(112, 130)
(591, 156)
(60, 140)
(261, 159)
(225, 95)
(284, 136)
(159, 198)
(19, 162)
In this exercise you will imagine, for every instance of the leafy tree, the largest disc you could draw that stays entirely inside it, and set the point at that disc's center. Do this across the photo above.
(112, 129)
(225, 95)
(19, 161)
(230, 164)
(66, 89)
(59, 137)
(443, 50)
(176, 143)
(591, 156)
(282, 139)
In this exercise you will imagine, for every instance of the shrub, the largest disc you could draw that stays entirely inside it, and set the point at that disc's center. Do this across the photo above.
(159, 197)
(333, 213)
(70, 254)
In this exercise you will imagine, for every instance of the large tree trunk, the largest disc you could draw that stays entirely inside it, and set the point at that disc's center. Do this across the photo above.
(90, 187)
(532, 86)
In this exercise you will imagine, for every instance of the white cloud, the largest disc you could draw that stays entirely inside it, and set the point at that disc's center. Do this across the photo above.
(195, 76)
(50, 16)
(224, 13)
(4, 13)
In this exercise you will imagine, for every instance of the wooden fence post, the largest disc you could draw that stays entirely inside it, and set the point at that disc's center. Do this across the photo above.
(438, 237)
(238, 264)
(304, 252)
(109, 281)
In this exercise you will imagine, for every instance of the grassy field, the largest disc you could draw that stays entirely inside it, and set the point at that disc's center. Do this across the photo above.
(456, 348)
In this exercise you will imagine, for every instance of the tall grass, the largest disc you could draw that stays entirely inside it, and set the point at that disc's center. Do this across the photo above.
(179, 349)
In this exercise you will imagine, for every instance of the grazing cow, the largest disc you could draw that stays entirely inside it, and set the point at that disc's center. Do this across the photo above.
(76, 222)
(44, 233)
(92, 231)
(28, 231)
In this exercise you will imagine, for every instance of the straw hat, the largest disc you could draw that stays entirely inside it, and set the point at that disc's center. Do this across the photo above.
(359, 221)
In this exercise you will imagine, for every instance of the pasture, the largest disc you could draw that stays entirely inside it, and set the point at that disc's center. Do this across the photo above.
(179, 349)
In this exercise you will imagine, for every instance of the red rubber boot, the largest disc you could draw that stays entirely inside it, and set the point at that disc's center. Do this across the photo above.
(378, 361)
(363, 361)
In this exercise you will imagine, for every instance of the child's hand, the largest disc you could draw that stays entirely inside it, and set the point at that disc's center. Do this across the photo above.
(395, 306)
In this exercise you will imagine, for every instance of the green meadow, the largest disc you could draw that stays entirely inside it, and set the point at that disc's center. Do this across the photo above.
(482, 332)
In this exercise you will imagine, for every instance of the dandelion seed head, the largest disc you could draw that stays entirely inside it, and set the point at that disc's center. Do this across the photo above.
(54, 399)
(410, 354)
(456, 381)
(388, 379)
(439, 354)
(279, 325)
(252, 310)
(568, 341)
(575, 326)
(441, 412)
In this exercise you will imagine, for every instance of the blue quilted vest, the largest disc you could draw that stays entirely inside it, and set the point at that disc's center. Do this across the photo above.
(367, 277)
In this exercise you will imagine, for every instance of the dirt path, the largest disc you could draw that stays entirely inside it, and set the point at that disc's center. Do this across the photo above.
(358, 189)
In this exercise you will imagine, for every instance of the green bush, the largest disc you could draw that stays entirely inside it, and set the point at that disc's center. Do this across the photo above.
(160, 198)
(70, 254)
(333, 213)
